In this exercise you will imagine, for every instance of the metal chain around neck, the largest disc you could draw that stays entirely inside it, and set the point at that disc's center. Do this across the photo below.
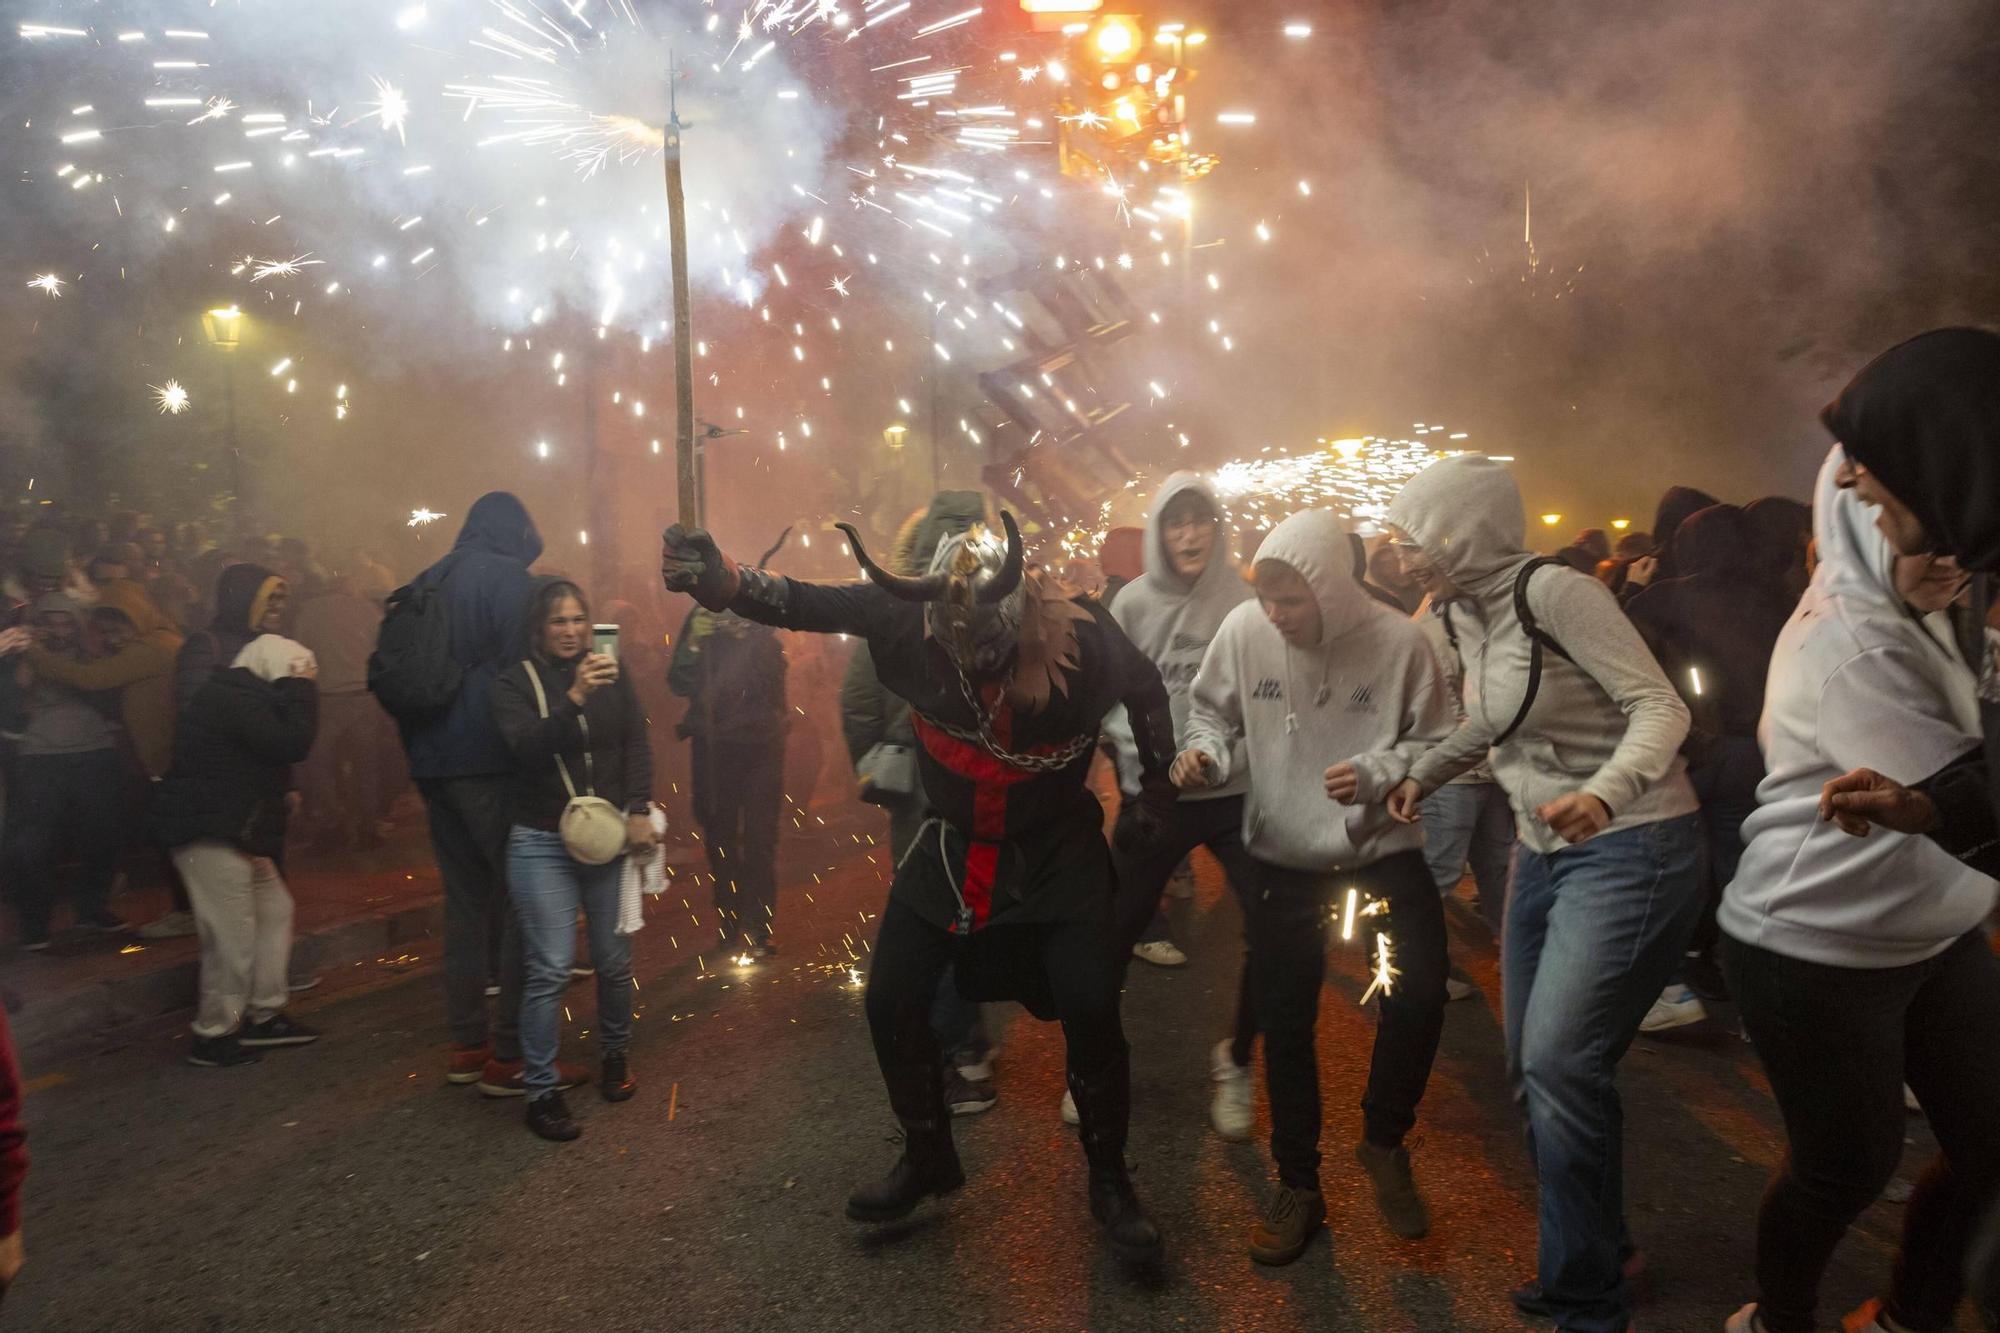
(984, 738)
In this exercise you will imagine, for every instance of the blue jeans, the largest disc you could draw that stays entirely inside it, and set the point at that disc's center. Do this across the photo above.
(1470, 822)
(1593, 933)
(548, 885)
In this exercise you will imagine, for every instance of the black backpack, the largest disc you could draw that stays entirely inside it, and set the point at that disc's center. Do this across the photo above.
(1704, 726)
(1538, 639)
(412, 673)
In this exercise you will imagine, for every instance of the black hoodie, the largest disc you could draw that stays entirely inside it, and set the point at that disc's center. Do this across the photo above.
(1718, 617)
(237, 590)
(1924, 417)
(484, 585)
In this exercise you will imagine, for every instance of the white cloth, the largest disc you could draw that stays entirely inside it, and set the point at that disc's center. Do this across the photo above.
(274, 657)
(1857, 681)
(243, 914)
(642, 876)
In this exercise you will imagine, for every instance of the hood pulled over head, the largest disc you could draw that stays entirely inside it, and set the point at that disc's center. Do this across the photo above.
(1465, 512)
(1716, 542)
(1313, 543)
(1159, 561)
(1925, 418)
(498, 522)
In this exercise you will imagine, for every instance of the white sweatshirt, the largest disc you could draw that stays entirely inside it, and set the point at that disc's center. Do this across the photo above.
(1173, 621)
(1857, 681)
(1370, 693)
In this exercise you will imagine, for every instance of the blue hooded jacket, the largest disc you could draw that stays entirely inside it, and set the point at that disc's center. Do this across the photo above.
(485, 588)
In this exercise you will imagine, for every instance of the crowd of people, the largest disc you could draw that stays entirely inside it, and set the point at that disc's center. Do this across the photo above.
(1739, 757)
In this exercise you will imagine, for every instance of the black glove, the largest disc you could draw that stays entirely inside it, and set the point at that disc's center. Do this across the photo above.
(1143, 822)
(691, 562)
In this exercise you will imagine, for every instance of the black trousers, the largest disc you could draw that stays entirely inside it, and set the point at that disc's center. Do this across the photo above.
(1217, 825)
(1289, 914)
(739, 789)
(57, 803)
(1838, 1044)
(911, 955)
(468, 821)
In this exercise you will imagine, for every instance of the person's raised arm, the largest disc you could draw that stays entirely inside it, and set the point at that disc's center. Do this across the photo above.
(136, 661)
(690, 562)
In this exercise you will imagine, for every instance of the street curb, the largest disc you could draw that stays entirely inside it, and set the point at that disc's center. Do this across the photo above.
(51, 1023)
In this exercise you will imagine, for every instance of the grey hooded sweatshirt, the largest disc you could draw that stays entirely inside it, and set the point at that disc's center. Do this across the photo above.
(1173, 621)
(1369, 693)
(1607, 723)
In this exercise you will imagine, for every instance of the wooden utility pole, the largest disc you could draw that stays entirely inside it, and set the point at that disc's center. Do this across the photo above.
(684, 462)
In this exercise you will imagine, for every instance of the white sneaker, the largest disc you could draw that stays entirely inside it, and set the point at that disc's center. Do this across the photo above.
(1744, 1321)
(1160, 953)
(1454, 989)
(171, 926)
(1069, 1115)
(1677, 1007)
(1231, 1112)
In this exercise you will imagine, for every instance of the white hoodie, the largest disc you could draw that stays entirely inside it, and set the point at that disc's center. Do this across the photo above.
(1173, 621)
(1856, 681)
(1370, 693)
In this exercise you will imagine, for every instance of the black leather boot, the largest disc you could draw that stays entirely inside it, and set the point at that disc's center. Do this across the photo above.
(1103, 1106)
(929, 1165)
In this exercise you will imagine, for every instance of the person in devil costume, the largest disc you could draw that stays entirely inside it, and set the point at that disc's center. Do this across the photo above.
(1009, 880)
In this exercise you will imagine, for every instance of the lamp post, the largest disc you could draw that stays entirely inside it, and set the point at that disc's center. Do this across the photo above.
(223, 326)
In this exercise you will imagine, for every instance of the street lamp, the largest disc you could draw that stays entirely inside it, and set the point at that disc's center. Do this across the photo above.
(893, 437)
(1550, 520)
(224, 329)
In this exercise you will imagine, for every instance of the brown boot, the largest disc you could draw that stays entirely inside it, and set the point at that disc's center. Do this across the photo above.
(1286, 1225)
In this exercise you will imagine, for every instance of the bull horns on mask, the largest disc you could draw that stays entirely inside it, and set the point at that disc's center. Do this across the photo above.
(1009, 577)
(930, 587)
(909, 589)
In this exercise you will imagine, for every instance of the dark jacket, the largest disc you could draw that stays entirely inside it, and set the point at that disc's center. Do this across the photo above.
(620, 762)
(233, 756)
(485, 589)
(732, 673)
(236, 591)
(1721, 617)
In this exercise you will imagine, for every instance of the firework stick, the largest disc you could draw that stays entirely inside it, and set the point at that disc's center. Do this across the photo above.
(689, 499)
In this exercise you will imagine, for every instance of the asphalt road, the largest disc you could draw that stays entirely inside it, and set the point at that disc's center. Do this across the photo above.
(346, 1186)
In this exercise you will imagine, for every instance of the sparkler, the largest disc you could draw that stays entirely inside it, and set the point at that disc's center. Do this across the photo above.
(47, 282)
(423, 518)
(170, 397)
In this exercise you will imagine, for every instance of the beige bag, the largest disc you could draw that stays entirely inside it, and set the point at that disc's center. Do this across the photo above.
(593, 829)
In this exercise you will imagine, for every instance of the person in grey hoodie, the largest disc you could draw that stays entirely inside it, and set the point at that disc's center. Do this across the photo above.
(1172, 613)
(1861, 964)
(1324, 693)
(1606, 882)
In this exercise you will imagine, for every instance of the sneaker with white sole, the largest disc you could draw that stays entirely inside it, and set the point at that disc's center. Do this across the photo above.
(277, 1030)
(966, 1095)
(1069, 1115)
(1160, 953)
(1677, 1007)
(1233, 1111)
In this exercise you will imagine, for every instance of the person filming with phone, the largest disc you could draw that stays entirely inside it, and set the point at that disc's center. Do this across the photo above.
(579, 803)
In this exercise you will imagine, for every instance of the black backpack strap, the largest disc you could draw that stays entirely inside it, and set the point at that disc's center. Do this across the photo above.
(1538, 639)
